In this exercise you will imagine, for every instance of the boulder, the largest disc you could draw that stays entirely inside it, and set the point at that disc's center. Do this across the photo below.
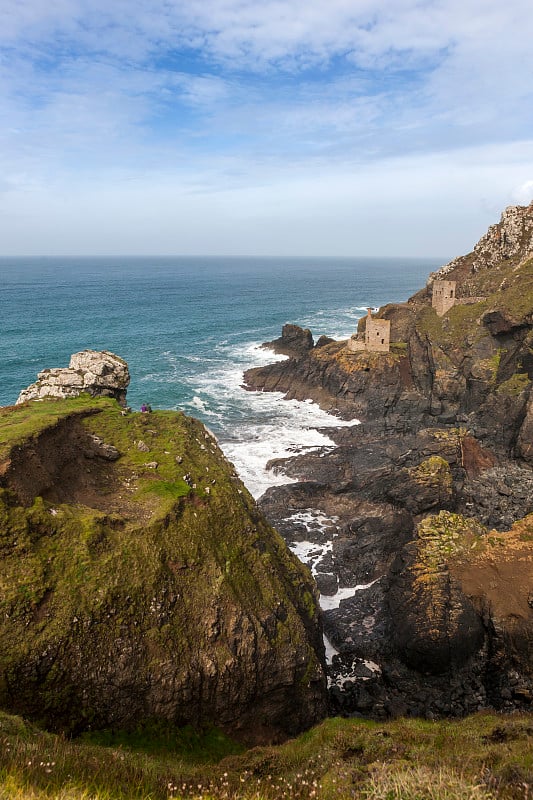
(100, 374)
(435, 626)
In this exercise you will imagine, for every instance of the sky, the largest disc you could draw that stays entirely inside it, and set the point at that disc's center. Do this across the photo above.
(268, 127)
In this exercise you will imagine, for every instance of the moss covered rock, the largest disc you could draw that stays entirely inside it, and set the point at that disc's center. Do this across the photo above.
(463, 587)
(435, 626)
(138, 579)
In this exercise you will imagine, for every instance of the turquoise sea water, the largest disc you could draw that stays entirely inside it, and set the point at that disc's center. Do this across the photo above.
(188, 328)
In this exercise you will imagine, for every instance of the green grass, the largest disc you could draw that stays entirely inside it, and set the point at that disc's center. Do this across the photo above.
(517, 297)
(163, 739)
(461, 326)
(399, 348)
(481, 757)
(169, 490)
(515, 385)
(18, 423)
(138, 555)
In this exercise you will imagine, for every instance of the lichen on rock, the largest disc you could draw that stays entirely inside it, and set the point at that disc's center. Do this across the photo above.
(98, 373)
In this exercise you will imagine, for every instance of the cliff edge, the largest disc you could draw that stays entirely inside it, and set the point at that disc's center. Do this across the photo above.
(140, 581)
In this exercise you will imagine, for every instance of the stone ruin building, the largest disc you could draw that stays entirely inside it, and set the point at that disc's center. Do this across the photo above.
(444, 296)
(377, 336)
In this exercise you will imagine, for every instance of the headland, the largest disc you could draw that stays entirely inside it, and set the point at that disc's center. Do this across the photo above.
(425, 553)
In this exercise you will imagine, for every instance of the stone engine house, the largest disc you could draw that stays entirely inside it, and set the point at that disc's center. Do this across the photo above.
(377, 336)
(444, 296)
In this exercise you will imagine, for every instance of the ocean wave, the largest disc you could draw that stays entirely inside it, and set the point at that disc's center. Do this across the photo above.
(277, 429)
(199, 405)
(255, 427)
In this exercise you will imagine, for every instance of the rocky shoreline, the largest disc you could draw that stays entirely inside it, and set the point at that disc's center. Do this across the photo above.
(144, 581)
(424, 553)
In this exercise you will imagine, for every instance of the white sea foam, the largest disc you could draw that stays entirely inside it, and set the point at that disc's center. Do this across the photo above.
(296, 432)
(330, 650)
(313, 519)
(351, 674)
(334, 601)
(262, 425)
(198, 403)
(257, 443)
(310, 553)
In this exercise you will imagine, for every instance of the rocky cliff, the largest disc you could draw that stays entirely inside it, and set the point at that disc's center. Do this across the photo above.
(431, 497)
(141, 582)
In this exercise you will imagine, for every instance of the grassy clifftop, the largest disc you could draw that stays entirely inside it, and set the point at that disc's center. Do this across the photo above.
(138, 579)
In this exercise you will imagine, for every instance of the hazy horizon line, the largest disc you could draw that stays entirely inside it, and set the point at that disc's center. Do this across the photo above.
(215, 255)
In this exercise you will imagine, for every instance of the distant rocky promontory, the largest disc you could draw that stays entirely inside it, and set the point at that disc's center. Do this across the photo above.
(431, 497)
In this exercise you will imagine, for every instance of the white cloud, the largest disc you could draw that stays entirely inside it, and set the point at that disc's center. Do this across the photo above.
(256, 32)
(523, 194)
(420, 205)
(290, 118)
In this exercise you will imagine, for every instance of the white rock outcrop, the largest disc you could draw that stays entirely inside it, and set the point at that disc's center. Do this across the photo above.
(98, 373)
(511, 237)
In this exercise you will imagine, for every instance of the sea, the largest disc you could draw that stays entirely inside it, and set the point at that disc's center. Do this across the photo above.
(188, 328)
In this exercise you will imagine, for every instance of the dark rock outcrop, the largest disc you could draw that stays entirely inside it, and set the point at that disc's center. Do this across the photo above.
(431, 497)
(294, 341)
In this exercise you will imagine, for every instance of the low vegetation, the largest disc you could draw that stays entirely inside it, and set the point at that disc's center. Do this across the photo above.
(17, 423)
(481, 757)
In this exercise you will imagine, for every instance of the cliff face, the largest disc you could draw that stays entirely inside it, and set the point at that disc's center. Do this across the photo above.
(508, 242)
(441, 463)
(473, 365)
(140, 581)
